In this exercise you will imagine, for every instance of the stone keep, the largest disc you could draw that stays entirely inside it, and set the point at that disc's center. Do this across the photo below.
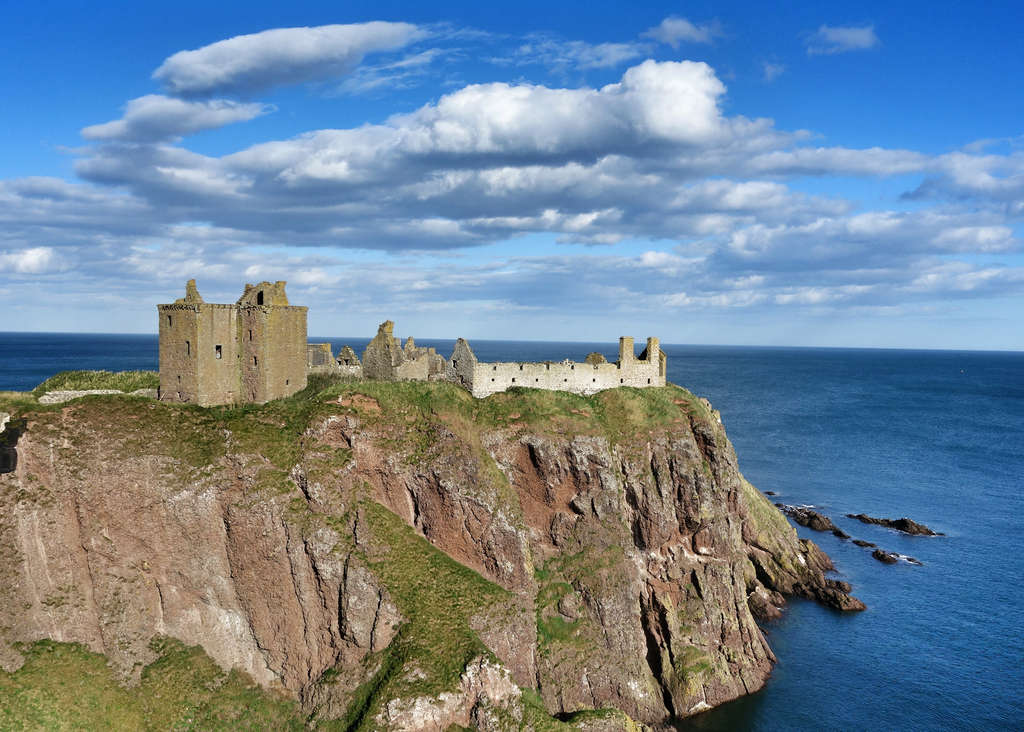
(251, 351)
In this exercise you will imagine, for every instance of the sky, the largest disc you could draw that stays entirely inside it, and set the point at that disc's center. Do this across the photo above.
(706, 172)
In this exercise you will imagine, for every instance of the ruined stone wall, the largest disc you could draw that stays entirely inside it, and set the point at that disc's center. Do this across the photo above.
(483, 379)
(273, 348)
(179, 377)
(319, 355)
(217, 355)
(252, 351)
(199, 353)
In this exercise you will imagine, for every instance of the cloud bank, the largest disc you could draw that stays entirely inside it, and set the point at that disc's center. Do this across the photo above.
(676, 203)
(259, 61)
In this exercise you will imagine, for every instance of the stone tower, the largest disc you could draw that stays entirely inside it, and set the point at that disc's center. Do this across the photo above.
(251, 351)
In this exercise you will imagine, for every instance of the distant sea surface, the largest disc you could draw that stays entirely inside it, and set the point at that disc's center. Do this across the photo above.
(934, 435)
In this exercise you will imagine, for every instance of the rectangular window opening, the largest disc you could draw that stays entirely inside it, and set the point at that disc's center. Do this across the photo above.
(219, 351)
(169, 321)
(513, 379)
(648, 381)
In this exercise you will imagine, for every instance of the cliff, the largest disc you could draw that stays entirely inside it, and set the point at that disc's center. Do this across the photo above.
(401, 555)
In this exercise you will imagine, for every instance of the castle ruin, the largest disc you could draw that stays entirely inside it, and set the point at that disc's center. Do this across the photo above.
(256, 350)
(387, 360)
(251, 351)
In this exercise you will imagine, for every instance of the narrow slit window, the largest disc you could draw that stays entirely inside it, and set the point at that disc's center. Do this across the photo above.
(170, 322)
(188, 348)
(219, 352)
(648, 381)
(513, 379)
(255, 361)
(287, 382)
(250, 334)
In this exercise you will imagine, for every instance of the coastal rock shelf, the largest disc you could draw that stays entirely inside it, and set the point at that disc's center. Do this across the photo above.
(907, 526)
(404, 556)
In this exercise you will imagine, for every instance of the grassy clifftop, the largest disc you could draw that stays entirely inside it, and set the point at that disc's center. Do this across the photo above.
(185, 445)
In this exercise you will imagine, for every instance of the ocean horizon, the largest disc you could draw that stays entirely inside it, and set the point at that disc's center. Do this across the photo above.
(934, 435)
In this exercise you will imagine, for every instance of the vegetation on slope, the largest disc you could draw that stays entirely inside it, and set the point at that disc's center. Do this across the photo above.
(126, 381)
(63, 686)
(434, 593)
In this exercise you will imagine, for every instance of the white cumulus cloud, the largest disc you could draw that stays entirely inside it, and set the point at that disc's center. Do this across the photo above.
(155, 118)
(36, 260)
(257, 61)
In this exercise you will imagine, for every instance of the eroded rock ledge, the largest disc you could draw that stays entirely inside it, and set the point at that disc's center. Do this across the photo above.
(404, 556)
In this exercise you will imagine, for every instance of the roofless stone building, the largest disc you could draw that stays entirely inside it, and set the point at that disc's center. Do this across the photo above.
(256, 350)
(251, 351)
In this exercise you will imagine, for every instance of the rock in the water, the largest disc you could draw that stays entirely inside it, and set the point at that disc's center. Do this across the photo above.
(883, 556)
(808, 517)
(836, 531)
(770, 493)
(861, 542)
(907, 526)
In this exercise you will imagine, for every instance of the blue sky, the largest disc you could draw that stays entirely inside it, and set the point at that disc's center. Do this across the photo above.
(705, 172)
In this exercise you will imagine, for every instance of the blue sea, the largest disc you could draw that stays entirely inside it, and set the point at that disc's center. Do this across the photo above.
(934, 435)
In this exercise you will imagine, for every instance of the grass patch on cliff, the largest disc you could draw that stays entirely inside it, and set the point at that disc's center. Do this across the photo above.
(126, 381)
(437, 596)
(64, 686)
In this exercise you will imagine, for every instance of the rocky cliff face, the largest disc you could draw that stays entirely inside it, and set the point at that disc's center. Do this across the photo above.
(403, 556)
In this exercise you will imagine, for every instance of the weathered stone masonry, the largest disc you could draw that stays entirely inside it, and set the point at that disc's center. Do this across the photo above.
(255, 350)
(385, 359)
(483, 379)
(251, 351)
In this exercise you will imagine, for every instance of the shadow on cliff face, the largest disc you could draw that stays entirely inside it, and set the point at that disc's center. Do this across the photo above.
(8, 446)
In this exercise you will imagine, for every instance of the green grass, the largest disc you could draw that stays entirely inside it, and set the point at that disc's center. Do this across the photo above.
(437, 596)
(126, 381)
(63, 686)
